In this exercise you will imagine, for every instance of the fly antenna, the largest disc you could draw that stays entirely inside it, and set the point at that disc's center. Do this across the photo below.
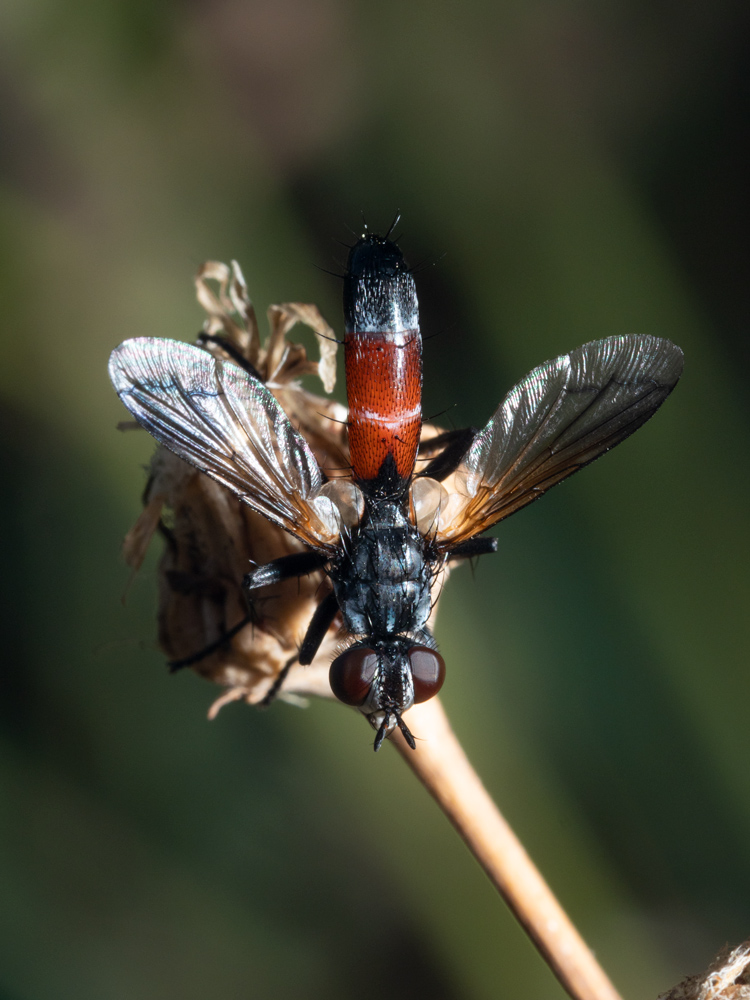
(406, 731)
(380, 736)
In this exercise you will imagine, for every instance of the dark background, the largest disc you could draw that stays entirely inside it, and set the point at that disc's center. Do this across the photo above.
(575, 170)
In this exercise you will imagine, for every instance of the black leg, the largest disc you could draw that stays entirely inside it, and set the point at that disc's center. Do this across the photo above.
(276, 686)
(297, 564)
(455, 444)
(316, 630)
(231, 350)
(188, 661)
(473, 547)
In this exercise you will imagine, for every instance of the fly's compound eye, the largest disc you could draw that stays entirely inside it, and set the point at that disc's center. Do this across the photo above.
(351, 674)
(427, 672)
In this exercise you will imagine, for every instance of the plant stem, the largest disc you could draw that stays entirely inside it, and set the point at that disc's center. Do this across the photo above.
(442, 766)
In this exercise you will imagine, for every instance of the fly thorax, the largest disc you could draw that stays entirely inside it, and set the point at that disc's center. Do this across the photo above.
(382, 582)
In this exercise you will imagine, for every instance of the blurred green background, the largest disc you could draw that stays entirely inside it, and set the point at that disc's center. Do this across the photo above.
(577, 170)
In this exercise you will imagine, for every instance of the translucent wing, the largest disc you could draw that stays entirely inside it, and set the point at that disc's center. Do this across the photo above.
(228, 425)
(562, 416)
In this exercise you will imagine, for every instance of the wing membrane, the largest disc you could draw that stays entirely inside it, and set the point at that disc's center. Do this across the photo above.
(562, 416)
(225, 423)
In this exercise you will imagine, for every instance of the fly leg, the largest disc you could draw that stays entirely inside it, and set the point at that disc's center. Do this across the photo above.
(454, 446)
(188, 661)
(274, 689)
(473, 547)
(320, 622)
(297, 564)
(231, 350)
(316, 630)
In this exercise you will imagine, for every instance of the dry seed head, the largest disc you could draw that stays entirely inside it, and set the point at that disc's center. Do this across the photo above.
(727, 978)
(212, 539)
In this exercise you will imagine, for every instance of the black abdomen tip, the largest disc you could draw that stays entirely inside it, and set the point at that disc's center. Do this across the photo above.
(379, 292)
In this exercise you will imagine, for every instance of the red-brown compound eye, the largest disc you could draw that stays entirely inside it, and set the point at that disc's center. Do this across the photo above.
(352, 673)
(427, 672)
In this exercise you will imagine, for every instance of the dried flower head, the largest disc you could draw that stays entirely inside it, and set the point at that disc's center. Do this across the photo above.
(212, 539)
(727, 978)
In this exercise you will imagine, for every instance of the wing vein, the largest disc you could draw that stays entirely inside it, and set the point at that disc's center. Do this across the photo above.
(228, 425)
(563, 415)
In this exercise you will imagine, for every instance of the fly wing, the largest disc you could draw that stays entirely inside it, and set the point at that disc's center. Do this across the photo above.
(562, 416)
(227, 424)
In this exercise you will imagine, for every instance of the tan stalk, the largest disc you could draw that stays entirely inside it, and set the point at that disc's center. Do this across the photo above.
(444, 769)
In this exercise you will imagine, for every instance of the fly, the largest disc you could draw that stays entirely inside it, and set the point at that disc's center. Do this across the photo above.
(384, 534)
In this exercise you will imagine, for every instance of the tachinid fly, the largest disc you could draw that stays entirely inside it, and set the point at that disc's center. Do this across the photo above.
(384, 533)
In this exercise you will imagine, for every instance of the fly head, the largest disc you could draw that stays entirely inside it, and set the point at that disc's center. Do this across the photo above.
(384, 679)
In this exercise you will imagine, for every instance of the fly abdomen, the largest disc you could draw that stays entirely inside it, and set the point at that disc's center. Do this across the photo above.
(383, 353)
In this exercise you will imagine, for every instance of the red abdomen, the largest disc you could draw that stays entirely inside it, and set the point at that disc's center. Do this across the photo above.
(384, 393)
(383, 350)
